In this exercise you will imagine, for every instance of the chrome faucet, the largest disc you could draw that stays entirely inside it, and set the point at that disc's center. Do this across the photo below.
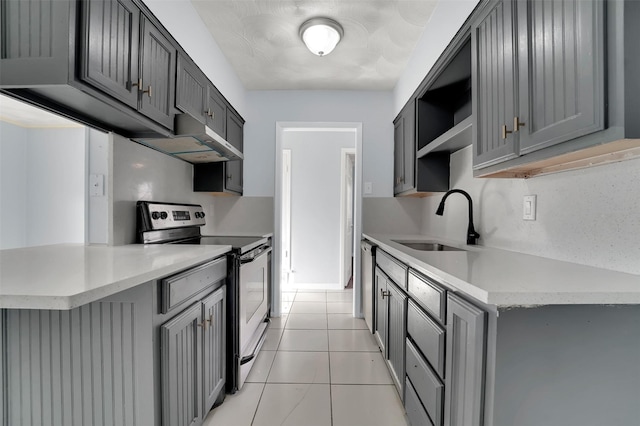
(472, 235)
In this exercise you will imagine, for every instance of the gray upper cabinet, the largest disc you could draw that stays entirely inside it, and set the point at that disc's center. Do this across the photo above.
(561, 71)
(191, 89)
(404, 148)
(110, 40)
(34, 32)
(234, 170)
(158, 64)
(494, 84)
(181, 372)
(217, 115)
(214, 348)
(538, 76)
(464, 377)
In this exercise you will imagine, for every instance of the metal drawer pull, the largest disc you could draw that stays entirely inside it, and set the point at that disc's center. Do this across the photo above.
(505, 132)
(203, 324)
(517, 124)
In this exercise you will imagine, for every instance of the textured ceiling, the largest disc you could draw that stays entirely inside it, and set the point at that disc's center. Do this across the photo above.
(260, 39)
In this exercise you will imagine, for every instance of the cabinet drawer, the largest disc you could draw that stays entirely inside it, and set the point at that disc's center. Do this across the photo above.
(428, 336)
(395, 270)
(178, 288)
(428, 294)
(415, 411)
(428, 387)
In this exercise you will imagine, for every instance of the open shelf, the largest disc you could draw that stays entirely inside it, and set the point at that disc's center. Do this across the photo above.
(452, 140)
(443, 109)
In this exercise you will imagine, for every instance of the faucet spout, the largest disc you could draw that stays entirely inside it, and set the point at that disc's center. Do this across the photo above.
(472, 235)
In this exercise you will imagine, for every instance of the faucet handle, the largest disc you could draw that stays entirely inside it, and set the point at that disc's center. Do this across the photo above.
(472, 237)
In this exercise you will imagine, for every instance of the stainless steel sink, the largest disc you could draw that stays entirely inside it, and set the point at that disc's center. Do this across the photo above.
(427, 245)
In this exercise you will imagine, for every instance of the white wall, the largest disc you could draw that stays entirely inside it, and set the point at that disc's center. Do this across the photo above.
(140, 173)
(315, 204)
(185, 25)
(446, 20)
(265, 108)
(43, 186)
(13, 186)
(589, 216)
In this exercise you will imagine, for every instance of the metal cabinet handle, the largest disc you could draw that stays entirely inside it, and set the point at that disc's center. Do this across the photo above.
(210, 113)
(203, 324)
(505, 132)
(148, 91)
(517, 124)
(229, 177)
(210, 320)
(385, 293)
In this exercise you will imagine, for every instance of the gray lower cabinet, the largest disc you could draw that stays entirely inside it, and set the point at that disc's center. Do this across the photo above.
(91, 365)
(192, 361)
(538, 76)
(382, 311)
(396, 334)
(214, 348)
(182, 369)
(465, 365)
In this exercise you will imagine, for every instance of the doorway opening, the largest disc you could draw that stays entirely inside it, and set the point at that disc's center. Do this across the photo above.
(318, 210)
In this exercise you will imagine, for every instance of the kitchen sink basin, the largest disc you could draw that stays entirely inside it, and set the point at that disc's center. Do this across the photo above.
(427, 246)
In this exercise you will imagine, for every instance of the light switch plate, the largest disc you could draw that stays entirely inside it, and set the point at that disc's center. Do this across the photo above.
(529, 207)
(96, 185)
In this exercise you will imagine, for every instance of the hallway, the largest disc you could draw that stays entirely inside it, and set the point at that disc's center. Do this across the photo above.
(318, 367)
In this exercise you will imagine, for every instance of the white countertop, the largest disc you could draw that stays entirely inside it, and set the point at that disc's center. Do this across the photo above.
(505, 278)
(65, 276)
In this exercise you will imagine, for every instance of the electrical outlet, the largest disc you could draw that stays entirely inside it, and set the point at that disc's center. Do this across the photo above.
(529, 207)
(96, 185)
(368, 187)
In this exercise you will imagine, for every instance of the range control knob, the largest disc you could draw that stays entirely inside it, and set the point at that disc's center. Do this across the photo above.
(197, 215)
(155, 215)
(163, 215)
(201, 215)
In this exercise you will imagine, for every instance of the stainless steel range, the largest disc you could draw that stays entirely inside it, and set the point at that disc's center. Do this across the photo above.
(248, 282)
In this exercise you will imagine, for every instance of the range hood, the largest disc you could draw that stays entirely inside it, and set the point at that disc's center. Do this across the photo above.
(194, 142)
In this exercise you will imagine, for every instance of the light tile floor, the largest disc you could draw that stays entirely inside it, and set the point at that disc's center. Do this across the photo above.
(318, 367)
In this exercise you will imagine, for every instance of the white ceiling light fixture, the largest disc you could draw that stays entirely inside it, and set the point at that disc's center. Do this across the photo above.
(321, 35)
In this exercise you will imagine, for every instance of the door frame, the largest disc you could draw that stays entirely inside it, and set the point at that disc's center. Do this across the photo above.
(286, 126)
(345, 153)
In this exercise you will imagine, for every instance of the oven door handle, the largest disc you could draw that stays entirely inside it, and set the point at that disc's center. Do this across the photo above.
(245, 261)
(256, 349)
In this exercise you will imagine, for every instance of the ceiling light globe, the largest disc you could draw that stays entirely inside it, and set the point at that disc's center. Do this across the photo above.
(321, 35)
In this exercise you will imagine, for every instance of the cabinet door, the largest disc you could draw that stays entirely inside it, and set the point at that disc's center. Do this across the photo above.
(191, 89)
(398, 155)
(181, 358)
(234, 169)
(561, 69)
(409, 141)
(158, 75)
(214, 348)
(382, 309)
(493, 85)
(464, 378)
(396, 335)
(109, 48)
(216, 112)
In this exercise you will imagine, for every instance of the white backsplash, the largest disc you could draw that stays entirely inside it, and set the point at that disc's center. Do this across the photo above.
(140, 173)
(589, 216)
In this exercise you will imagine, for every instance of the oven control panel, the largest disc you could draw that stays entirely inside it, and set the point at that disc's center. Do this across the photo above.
(166, 216)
